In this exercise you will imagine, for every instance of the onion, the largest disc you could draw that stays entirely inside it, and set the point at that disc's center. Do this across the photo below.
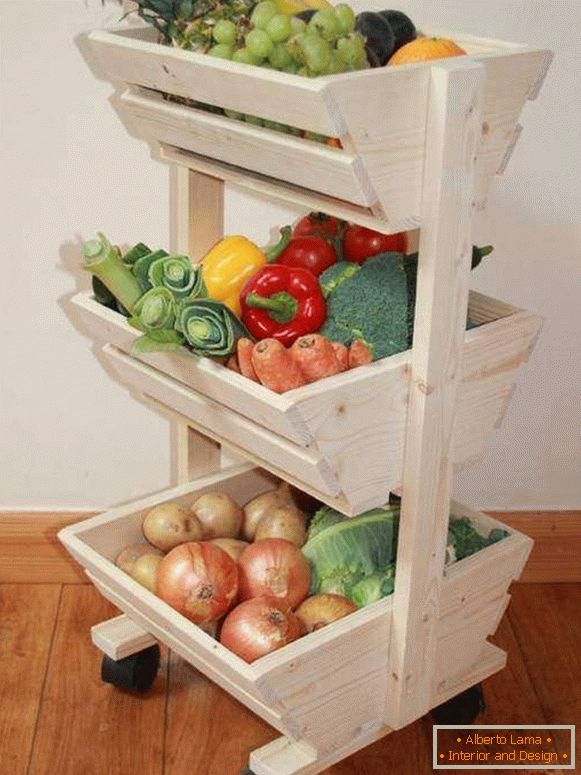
(283, 522)
(258, 627)
(274, 567)
(232, 546)
(320, 610)
(145, 570)
(127, 558)
(218, 514)
(168, 525)
(199, 580)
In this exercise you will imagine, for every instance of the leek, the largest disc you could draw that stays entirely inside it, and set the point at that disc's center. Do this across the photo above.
(209, 327)
(105, 263)
(178, 275)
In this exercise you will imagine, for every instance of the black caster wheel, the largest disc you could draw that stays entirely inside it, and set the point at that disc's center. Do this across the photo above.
(462, 709)
(135, 673)
(246, 771)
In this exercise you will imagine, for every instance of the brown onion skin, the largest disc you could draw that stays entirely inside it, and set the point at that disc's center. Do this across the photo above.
(199, 580)
(258, 627)
(320, 610)
(274, 567)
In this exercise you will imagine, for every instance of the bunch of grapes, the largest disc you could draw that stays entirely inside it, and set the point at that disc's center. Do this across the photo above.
(324, 45)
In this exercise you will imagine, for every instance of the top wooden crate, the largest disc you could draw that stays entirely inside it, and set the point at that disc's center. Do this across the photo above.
(379, 115)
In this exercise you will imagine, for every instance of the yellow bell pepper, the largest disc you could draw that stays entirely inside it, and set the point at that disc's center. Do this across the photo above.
(227, 266)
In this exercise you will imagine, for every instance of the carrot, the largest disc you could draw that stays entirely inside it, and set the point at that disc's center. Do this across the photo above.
(342, 355)
(244, 351)
(315, 357)
(233, 364)
(359, 354)
(275, 367)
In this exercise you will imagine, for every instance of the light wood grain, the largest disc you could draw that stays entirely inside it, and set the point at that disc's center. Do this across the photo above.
(26, 630)
(120, 637)
(302, 162)
(85, 726)
(455, 105)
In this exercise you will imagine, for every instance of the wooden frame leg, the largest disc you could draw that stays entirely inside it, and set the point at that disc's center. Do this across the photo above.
(453, 133)
(197, 223)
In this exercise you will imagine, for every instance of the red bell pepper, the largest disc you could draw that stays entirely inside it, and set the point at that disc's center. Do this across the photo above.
(282, 302)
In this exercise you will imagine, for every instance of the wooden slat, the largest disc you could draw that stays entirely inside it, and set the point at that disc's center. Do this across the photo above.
(454, 114)
(30, 552)
(301, 162)
(132, 57)
(265, 185)
(306, 465)
(120, 637)
(87, 726)
(556, 554)
(26, 631)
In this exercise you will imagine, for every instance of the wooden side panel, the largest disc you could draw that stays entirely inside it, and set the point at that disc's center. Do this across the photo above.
(305, 464)
(392, 148)
(132, 57)
(336, 692)
(306, 163)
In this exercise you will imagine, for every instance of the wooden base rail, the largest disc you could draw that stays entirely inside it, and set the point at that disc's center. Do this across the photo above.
(31, 554)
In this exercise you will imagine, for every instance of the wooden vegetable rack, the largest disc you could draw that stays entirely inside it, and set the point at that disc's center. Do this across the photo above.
(420, 145)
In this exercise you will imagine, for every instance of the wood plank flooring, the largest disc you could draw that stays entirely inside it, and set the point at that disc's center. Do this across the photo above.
(56, 717)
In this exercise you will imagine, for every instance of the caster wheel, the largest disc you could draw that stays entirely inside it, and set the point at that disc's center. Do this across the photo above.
(246, 771)
(462, 709)
(135, 673)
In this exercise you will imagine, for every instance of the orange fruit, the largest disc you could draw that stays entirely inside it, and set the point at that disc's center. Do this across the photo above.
(424, 49)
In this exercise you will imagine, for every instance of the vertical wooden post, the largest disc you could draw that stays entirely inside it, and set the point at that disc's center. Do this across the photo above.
(197, 222)
(453, 133)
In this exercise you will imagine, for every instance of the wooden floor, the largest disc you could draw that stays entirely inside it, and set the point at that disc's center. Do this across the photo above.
(57, 718)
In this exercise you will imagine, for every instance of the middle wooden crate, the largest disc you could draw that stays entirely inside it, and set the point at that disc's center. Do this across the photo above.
(342, 438)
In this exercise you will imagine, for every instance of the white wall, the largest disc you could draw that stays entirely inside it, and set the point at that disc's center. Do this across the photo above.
(71, 437)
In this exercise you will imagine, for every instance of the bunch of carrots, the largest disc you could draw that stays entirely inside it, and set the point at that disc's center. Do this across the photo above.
(308, 359)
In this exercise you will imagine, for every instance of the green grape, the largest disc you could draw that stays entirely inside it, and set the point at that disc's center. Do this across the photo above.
(280, 58)
(317, 53)
(234, 114)
(263, 13)
(221, 50)
(225, 32)
(325, 24)
(336, 65)
(345, 18)
(259, 44)
(253, 120)
(279, 28)
(243, 55)
(297, 25)
(350, 49)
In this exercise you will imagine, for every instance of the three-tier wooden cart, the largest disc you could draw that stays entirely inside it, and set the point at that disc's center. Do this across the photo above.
(420, 146)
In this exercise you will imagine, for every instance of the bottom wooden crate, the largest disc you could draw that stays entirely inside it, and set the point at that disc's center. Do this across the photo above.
(328, 690)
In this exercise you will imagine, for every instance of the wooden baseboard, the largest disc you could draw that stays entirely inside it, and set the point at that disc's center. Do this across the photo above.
(31, 554)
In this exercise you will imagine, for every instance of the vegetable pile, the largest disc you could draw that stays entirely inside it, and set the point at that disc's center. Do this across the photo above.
(267, 573)
(328, 297)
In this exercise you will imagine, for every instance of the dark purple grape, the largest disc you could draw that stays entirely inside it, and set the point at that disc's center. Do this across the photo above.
(402, 26)
(307, 15)
(379, 37)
